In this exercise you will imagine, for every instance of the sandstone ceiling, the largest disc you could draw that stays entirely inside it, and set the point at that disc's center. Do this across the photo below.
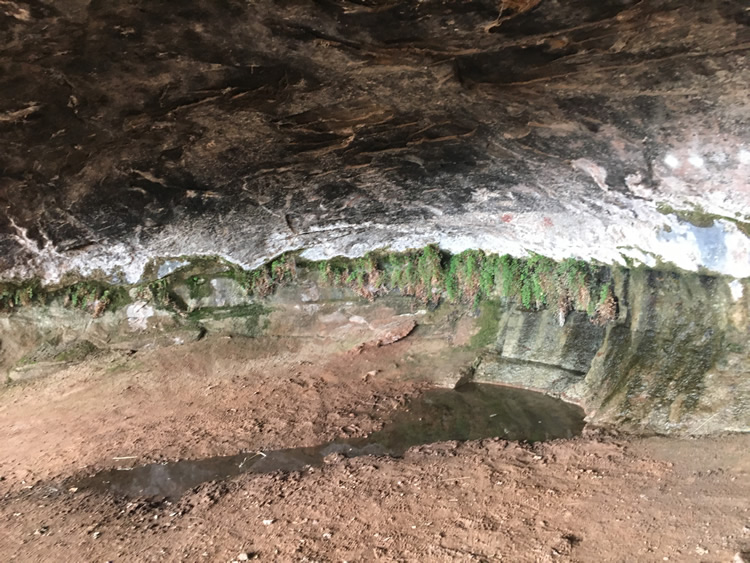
(136, 129)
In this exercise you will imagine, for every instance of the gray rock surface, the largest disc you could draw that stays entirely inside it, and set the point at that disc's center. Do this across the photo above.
(135, 130)
(676, 360)
(533, 351)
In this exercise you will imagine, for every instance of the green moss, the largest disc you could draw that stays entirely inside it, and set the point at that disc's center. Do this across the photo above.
(219, 313)
(510, 273)
(429, 271)
(324, 273)
(264, 280)
(489, 319)
(451, 279)
(77, 352)
(469, 277)
(160, 291)
(417, 273)
(490, 273)
(283, 268)
(591, 309)
(604, 293)
(743, 227)
(254, 316)
(199, 287)
(20, 295)
(542, 273)
(92, 296)
(428, 274)
(472, 276)
(212, 266)
(118, 297)
(646, 371)
(698, 217)
(409, 276)
(360, 272)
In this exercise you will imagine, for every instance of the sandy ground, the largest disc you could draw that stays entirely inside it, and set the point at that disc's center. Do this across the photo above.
(595, 498)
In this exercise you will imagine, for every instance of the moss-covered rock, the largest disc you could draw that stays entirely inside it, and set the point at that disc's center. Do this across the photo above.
(641, 348)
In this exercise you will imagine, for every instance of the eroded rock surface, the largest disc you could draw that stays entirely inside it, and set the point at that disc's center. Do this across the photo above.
(134, 130)
(656, 350)
(676, 359)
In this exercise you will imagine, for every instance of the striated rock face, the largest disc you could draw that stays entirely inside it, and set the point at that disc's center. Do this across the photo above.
(676, 360)
(533, 351)
(658, 351)
(600, 129)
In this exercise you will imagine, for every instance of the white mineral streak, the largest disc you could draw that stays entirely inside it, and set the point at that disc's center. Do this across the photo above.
(627, 229)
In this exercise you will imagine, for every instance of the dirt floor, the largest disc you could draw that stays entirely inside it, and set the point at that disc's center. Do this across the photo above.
(594, 498)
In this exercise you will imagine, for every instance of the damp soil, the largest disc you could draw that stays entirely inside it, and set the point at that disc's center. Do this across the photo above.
(593, 497)
(471, 412)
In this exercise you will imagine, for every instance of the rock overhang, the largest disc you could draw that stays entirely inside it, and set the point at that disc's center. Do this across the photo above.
(610, 131)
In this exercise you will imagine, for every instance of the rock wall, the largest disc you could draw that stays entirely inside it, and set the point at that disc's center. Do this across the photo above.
(660, 351)
(533, 351)
(676, 360)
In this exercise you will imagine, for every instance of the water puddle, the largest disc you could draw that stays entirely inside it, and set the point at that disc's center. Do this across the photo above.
(472, 412)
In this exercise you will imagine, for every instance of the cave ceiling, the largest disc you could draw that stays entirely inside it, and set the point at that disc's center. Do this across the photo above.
(602, 129)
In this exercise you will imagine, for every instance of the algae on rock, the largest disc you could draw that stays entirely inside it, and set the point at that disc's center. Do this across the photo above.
(660, 350)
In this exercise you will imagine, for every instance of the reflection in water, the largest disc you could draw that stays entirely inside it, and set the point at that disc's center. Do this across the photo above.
(472, 412)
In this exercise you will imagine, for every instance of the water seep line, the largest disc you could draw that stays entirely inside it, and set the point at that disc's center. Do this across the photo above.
(474, 411)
